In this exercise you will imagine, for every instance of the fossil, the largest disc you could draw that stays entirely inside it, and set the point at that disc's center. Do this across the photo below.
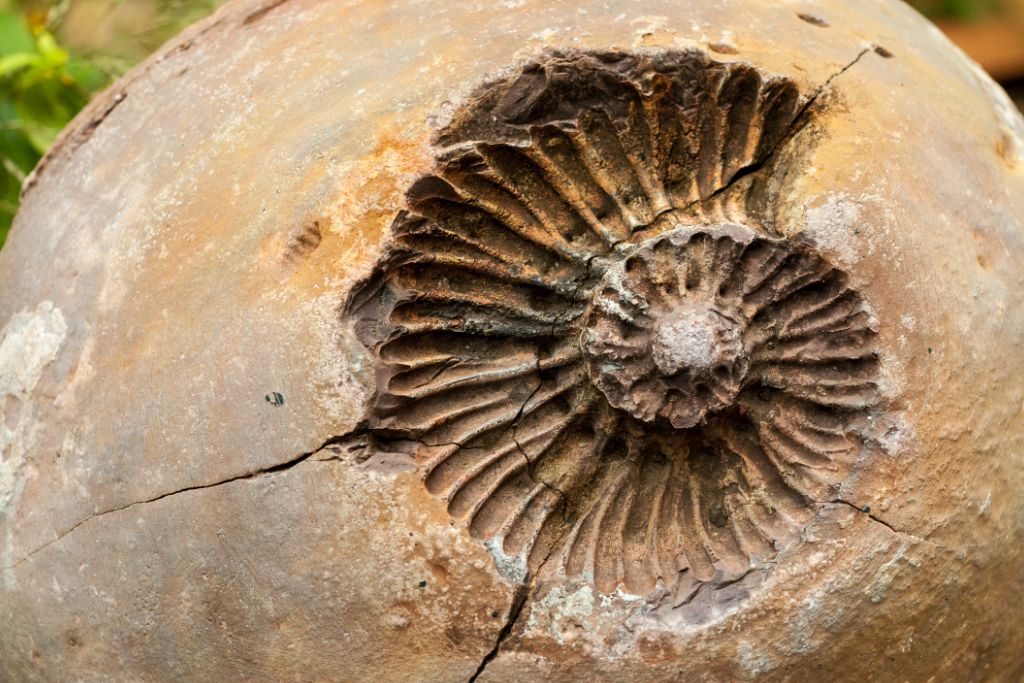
(598, 352)
(478, 249)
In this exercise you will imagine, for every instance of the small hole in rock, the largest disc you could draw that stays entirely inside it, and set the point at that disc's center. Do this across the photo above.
(813, 19)
(718, 516)
(882, 52)
(723, 49)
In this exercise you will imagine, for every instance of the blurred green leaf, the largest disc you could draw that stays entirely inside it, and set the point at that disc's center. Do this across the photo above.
(54, 54)
(48, 49)
(15, 62)
(41, 90)
(14, 34)
(17, 157)
(959, 10)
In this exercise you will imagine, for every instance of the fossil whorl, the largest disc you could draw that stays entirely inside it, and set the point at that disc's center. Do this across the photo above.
(597, 352)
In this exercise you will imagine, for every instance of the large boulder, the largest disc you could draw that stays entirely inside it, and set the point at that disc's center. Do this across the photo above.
(445, 341)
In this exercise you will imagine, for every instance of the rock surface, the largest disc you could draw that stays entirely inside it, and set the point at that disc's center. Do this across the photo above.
(193, 480)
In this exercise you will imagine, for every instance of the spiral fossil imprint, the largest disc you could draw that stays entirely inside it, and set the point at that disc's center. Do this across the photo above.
(598, 352)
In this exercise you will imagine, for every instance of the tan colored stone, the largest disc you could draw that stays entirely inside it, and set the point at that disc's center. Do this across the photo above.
(195, 479)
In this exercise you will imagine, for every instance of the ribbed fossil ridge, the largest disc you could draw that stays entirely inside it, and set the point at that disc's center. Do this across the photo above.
(599, 356)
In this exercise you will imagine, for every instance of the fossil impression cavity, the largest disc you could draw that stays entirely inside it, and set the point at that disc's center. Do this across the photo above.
(601, 353)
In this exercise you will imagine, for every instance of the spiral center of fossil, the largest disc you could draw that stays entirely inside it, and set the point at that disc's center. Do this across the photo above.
(664, 337)
(693, 337)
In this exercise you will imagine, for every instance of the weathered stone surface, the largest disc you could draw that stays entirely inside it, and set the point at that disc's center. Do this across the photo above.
(205, 467)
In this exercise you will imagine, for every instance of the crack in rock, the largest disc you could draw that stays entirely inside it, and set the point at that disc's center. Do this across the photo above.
(518, 602)
(866, 511)
(798, 124)
(273, 469)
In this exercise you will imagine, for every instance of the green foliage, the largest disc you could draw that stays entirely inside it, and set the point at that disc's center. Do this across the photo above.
(54, 55)
(959, 10)
(41, 88)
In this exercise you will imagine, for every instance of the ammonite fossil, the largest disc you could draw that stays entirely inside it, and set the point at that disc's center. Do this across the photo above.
(437, 340)
(591, 361)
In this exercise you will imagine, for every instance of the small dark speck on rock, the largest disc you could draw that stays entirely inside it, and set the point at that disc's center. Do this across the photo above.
(866, 509)
(494, 614)
(275, 399)
(882, 52)
(422, 584)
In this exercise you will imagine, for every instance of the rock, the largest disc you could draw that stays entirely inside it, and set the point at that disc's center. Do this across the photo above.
(437, 341)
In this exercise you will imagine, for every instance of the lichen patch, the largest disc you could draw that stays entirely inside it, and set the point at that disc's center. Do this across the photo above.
(30, 341)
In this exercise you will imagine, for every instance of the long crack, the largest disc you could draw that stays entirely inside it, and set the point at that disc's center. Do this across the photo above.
(524, 592)
(559, 320)
(273, 469)
(518, 602)
(526, 589)
(530, 464)
(798, 124)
